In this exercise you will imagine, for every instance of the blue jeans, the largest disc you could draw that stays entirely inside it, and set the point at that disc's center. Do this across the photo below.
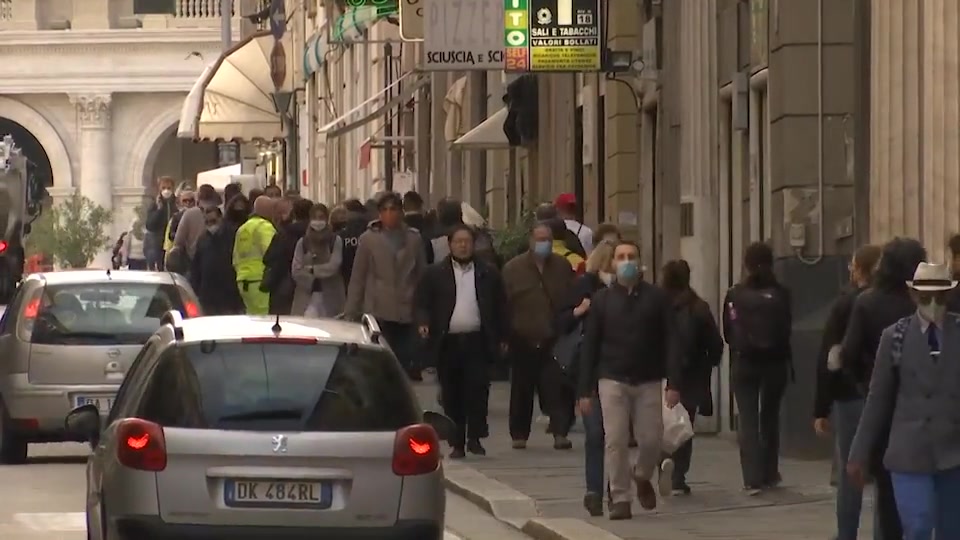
(927, 503)
(593, 449)
(846, 416)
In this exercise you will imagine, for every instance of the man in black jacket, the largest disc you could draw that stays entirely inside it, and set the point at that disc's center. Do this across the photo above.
(885, 303)
(158, 216)
(460, 309)
(279, 257)
(837, 396)
(211, 271)
(356, 225)
(628, 349)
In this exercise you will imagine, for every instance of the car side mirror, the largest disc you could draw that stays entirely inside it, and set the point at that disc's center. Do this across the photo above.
(444, 426)
(83, 422)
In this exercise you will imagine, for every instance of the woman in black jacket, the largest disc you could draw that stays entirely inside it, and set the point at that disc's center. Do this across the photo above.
(837, 394)
(880, 306)
(697, 330)
(599, 275)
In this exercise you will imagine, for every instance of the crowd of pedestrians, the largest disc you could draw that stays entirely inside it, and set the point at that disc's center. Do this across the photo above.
(586, 336)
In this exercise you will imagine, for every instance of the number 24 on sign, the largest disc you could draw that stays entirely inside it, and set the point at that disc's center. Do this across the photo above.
(516, 59)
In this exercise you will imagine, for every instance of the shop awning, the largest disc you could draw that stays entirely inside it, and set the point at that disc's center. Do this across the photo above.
(488, 135)
(314, 51)
(375, 106)
(233, 98)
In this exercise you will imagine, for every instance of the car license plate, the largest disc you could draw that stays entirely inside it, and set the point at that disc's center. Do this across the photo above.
(277, 493)
(103, 403)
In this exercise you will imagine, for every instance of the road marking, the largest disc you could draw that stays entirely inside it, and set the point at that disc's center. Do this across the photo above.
(53, 522)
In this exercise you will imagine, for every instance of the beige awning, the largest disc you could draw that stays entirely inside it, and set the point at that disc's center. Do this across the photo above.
(233, 98)
(376, 105)
(488, 135)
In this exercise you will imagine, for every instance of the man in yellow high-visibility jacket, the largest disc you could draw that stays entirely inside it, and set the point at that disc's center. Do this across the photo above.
(253, 239)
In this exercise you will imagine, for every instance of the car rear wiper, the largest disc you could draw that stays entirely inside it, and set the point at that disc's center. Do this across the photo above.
(265, 414)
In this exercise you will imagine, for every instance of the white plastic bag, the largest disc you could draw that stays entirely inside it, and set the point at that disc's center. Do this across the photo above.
(677, 428)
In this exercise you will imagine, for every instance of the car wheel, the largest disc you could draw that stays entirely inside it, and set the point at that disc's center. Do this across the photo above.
(13, 448)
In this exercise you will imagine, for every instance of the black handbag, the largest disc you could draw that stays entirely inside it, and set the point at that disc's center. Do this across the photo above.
(566, 350)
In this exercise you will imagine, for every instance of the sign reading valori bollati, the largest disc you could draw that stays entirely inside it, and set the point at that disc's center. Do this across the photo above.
(463, 35)
(552, 35)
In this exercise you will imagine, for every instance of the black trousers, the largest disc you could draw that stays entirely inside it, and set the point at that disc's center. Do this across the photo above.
(885, 506)
(683, 455)
(535, 372)
(465, 385)
(758, 386)
(403, 340)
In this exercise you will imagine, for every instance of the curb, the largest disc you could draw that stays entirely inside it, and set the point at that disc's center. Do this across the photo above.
(514, 508)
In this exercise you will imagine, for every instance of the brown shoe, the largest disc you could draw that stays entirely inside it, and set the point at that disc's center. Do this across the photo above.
(620, 510)
(646, 494)
(519, 444)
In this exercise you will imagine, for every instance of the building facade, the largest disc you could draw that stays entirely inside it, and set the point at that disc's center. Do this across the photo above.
(99, 87)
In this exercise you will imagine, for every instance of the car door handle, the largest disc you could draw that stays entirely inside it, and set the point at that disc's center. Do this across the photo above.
(113, 367)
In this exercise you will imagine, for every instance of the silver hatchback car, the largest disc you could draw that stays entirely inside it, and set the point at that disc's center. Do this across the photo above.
(259, 428)
(67, 339)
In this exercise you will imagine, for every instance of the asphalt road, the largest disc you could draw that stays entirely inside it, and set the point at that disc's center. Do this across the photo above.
(43, 500)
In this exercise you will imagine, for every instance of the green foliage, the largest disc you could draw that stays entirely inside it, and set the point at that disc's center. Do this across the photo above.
(72, 233)
(511, 239)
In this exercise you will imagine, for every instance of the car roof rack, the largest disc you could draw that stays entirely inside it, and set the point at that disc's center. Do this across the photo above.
(371, 327)
(175, 319)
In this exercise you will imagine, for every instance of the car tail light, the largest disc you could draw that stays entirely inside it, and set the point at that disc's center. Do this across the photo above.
(191, 310)
(281, 340)
(31, 309)
(141, 445)
(3, 246)
(416, 450)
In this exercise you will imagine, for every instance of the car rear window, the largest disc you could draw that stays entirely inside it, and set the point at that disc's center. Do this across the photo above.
(280, 387)
(101, 314)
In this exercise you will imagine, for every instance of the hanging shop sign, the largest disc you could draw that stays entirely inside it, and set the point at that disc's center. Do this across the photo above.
(552, 35)
(463, 35)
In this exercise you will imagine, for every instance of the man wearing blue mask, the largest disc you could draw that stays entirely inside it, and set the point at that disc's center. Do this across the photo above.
(537, 284)
(628, 349)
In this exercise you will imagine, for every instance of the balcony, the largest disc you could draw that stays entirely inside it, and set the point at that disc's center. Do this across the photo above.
(27, 15)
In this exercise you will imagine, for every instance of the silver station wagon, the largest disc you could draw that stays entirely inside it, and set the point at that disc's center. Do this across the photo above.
(67, 339)
(259, 428)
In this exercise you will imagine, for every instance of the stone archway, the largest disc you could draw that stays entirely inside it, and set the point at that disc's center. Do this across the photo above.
(144, 154)
(46, 135)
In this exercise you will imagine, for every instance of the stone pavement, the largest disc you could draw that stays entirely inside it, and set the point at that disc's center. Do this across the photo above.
(801, 509)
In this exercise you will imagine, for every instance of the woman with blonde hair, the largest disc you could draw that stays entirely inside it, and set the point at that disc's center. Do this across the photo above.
(599, 274)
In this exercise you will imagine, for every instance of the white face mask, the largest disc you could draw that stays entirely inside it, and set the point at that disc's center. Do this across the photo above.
(318, 224)
(932, 312)
(166, 193)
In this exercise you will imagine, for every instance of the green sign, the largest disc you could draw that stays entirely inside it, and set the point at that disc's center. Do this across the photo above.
(516, 36)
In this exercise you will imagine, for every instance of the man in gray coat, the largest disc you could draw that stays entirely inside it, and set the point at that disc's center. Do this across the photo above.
(915, 394)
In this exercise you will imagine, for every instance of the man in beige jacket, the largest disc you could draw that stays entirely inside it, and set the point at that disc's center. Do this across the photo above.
(389, 262)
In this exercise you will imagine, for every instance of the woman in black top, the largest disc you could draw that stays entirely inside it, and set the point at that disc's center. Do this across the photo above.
(703, 350)
(599, 275)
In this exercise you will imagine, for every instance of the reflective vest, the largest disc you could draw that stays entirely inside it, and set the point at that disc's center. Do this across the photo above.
(253, 239)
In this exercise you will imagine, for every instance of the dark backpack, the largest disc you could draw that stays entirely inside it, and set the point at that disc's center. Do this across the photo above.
(758, 320)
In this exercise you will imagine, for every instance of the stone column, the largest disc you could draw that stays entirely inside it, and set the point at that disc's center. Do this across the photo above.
(698, 140)
(96, 159)
(915, 122)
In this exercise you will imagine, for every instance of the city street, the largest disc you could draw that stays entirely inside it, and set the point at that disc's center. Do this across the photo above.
(550, 484)
(43, 500)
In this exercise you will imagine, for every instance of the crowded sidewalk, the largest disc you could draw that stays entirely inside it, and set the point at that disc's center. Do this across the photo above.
(803, 508)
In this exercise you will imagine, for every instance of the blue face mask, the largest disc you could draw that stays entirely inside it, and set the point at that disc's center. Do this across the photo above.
(543, 248)
(627, 270)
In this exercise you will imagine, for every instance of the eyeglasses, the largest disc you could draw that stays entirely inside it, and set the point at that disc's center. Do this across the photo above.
(188, 201)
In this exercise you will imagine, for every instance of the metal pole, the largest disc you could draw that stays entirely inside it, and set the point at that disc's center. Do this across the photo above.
(226, 23)
(293, 148)
(388, 122)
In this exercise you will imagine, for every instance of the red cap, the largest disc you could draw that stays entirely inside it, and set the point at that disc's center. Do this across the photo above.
(564, 200)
